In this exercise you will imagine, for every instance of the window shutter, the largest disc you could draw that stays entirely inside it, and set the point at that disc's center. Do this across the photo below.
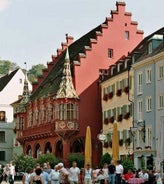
(114, 113)
(113, 88)
(124, 135)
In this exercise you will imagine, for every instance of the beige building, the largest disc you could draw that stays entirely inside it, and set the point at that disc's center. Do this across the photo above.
(116, 98)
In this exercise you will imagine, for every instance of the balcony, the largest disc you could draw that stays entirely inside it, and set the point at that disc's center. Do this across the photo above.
(65, 128)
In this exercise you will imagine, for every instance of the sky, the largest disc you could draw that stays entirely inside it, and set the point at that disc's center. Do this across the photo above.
(32, 30)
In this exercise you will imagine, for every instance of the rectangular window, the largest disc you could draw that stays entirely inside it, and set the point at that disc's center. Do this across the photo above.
(2, 136)
(126, 35)
(20, 81)
(105, 114)
(110, 53)
(160, 101)
(148, 75)
(148, 103)
(70, 112)
(150, 48)
(161, 72)
(2, 116)
(148, 136)
(2, 155)
(139, 83)
(119, 85)
(139, 109)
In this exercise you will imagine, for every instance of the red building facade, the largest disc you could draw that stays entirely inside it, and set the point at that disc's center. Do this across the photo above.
(66, 98)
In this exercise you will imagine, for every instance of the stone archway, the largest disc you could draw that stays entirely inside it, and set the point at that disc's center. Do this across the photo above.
(48, 148)
(59, 149)
(29, 151)
(37, 151)
(77, 146)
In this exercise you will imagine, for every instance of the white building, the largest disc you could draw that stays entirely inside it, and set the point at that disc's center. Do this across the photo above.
(11, 89)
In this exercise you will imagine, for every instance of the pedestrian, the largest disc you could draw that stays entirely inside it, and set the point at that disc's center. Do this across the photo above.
(37, 179)
(11, 173)
(6, 172)
(1, 173)
(100, 177)
(54, 175)
(74, 174)
(151, 179)
(144, 175)
(26, 175)
(128, 174)
(111, 171)
(157, 177)
(88, 174)
(63, 174)
(119, 172)
(45, 175)
(105, 172)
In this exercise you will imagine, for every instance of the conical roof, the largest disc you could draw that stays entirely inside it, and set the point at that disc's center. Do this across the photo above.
(66, 88)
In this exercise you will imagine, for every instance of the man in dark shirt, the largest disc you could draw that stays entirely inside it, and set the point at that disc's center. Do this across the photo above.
(111, 169)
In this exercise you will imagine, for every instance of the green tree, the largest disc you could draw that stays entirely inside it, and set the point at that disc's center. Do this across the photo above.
(106, 158)
(6, 66)
(128, 164)
(34, 72)
(21, 162)
(78, 158)
(43, 158)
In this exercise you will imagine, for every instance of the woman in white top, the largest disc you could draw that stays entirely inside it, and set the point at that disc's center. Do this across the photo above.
(88, 174)
(54, 175)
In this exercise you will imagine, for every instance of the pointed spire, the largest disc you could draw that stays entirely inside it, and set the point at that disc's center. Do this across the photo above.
(66, 89)
(26, 93)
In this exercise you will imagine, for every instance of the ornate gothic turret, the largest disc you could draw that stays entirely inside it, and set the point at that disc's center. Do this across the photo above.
(66, 104)
(66, 89)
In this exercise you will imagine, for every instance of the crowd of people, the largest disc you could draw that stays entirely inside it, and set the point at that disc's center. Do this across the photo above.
(112, 173)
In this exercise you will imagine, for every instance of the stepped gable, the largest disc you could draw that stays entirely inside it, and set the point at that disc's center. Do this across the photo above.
(140, 50)
(77, 50)
(6, 79)
(51, 83)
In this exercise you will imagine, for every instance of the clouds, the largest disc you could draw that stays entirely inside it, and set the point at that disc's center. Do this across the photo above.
(4, 4)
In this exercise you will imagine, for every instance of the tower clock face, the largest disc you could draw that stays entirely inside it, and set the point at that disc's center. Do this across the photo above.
(62, 124)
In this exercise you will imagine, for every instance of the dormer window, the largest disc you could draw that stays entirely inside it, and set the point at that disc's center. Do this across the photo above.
(150, 47)
(112, 70)
(110, 53)
(118, 66)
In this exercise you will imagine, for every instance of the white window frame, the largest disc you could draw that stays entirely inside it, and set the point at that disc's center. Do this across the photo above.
(139, 109)
(139, 83)
(148, 75)
(149, 136)
(160, 72)
(148, 103)
(161, 101)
